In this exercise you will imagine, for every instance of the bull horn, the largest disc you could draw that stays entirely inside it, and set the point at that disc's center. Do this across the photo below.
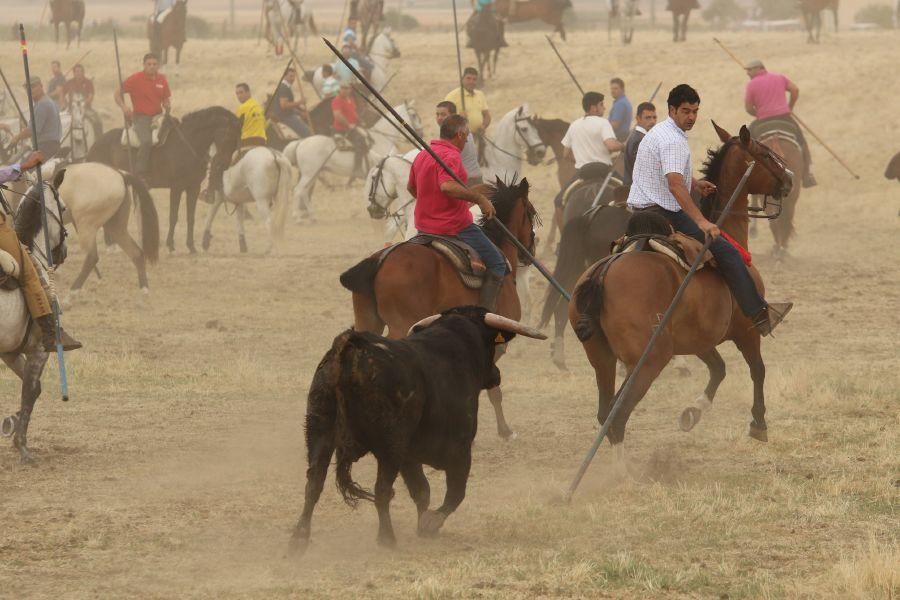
(423, 323)
(505, 324)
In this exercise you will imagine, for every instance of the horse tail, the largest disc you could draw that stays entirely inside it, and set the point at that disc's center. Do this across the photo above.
(149, 218)
(360, 278)
(341, 370)
(569, 264)
(282, 195)
(589, 300)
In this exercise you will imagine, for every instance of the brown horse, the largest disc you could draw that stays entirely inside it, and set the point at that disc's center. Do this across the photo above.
(486, 39)
(65, 12)
(172, 32)
(552, 132)
(681, 13)
(812, 16)
(548, 11)
(783, 226)
(614, 314)
(415, 281)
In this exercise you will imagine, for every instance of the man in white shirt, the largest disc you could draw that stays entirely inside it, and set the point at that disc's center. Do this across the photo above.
(591, 141)
(662, 182)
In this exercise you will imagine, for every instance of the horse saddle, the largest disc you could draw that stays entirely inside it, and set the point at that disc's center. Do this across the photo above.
(589, 174)
(343, 143)
(156, 126)
(464, 258)
(681, 248)
(782, 126)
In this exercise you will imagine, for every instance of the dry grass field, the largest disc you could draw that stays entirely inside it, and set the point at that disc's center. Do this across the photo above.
(177, 469)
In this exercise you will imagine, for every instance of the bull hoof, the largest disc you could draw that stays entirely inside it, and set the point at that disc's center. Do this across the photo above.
(430, 522)
(759, 433)
(689, 418)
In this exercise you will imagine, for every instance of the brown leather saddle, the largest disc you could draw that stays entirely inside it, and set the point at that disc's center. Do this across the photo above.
(463, 257)
(679, 247)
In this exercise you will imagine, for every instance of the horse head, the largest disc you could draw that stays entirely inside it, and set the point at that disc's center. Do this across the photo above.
(414, 120)
(29, 223)
(516, 212)
(529, 137)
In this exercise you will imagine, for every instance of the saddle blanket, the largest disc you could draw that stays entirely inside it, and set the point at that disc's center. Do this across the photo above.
(783, 126)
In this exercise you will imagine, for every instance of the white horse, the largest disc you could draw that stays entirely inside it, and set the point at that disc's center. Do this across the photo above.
(284, 20)
(384, 49)
(388, 198)
(84, 130)
(514, 135)
(319, 153)
(98, 196)
(20, 344)
(262, 175)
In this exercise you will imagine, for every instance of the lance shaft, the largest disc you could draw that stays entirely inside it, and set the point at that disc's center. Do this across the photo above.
(374, 106)
(122, 93)
(462, 91)
(63, 379)
(83, 56)
(793, 114)
(422, 145)
(565, 65)
(657, 331)
(277, 85)
(655, 92)
(299, 64)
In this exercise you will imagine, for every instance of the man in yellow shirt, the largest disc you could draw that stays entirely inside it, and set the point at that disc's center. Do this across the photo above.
(253, 123)
(474, 106)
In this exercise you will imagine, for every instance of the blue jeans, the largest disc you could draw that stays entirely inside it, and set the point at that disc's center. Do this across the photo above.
(297, 125)
(729, 261)
(492, 257)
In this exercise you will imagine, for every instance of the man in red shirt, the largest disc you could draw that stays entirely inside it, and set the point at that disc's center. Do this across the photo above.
(771, 96)
(345, 122)
(442, 205)
(150, 94)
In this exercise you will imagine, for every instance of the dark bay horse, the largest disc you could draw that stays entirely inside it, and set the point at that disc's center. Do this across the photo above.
(681, 13)
(613, 316)
(172, 32)
(415, 281)
(486, 40)
(812, 17)
(548, 11)
(67, 12)
(180, 163)
(552, 132)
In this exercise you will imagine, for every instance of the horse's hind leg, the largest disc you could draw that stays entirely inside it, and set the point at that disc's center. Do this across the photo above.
(135, 253)
(242, 237)
(87, 238)
(691, 415)
(174, 207)
(31, 390)
(495, 394)
(192, 193)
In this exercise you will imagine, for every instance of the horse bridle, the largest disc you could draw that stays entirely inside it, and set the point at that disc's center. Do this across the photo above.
(761, 212)
(376, 210)
(63, 233)
(529, 147)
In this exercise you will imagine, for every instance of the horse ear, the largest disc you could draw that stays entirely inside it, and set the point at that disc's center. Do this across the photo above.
(524, 186)
(521, 108)
(58, 178)
(745, 136)
(724, 136)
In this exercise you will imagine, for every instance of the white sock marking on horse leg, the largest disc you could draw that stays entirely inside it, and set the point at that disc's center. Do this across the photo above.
(703, 403)
(619, 450)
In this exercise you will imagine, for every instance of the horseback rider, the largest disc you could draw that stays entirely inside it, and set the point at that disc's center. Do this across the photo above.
(620, 113)
(330, 84)
(81, 86)
(161, 9)
(46, 118)
(341, 72)
(150, 95)
(764, 98)
(253, 122)
(469, 154)
(57, 84)
(486, 9)
(645, 119)
(590, 140)
(350, 46)
(662, 183)
(287, 110)
(473, 106)
(35, 296)
(346, 123)
(442, 205)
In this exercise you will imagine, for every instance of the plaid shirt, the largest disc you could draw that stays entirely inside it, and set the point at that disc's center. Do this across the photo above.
(663, 150)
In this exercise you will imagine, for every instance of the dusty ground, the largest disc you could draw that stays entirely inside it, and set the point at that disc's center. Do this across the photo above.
(177, 469)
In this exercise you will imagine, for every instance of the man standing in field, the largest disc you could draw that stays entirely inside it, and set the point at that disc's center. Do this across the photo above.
(468, 153)
(662, 183)
(620, 114)
(472, 104)
(253, 123)
(150, 95)
(645, 119)
(770, 97)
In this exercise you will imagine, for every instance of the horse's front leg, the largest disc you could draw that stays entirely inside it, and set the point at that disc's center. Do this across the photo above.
(192, 193)
(31, 390)
(174, 206)
(749, 347)
(210, 217)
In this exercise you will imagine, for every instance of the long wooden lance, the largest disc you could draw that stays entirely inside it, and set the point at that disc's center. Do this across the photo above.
(60, 355)
(83, 56)
(655, 92)
(401, 122)
(386, 117)
(462, 91)
(122, 93)
(565, 65)
(657, 331)
(302, 68)
(795, 115)
(277, 85)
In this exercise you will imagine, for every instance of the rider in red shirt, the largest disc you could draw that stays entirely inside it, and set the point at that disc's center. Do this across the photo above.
(150, 94)
(345, 122)
(442, 204)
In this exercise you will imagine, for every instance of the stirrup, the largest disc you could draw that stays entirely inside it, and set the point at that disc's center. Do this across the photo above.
(771, 316)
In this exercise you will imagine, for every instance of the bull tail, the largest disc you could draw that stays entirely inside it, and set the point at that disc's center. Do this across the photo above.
(340, 379)
(569, 264)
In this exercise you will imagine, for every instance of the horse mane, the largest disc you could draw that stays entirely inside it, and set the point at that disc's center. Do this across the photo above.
(211, 113)
(712, 171)
(28, 218)
(503, 195)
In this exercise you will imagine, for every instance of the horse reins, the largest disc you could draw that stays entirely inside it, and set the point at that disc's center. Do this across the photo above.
(528, 145)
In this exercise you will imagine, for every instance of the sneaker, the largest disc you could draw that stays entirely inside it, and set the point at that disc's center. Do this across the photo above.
(771, 316)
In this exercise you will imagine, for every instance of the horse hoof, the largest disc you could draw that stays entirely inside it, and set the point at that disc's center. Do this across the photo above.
(191, 249)
(298, 545)
(8, 425)
(760, 434)
(25, 457)
(430, 523)
(145, 291)
(689, 418)
(207, 239)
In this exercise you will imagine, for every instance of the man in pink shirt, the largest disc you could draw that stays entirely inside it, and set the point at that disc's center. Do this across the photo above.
(772, 96)
(442, 204)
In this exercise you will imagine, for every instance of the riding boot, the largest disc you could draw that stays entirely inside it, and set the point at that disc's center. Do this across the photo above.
(48, 335)
(769, 317)
(490, 291)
